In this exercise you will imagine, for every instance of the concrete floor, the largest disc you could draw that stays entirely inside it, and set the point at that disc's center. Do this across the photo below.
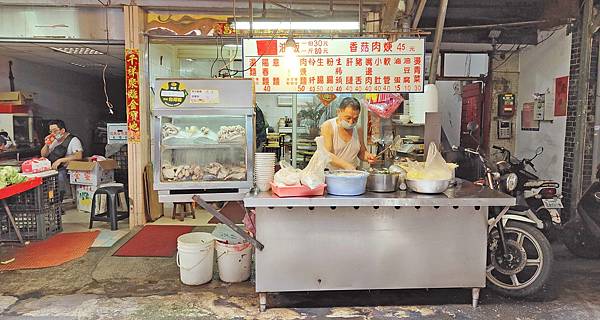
(100, 286)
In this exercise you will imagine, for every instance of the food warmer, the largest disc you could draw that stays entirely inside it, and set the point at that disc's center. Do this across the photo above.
(203, 139)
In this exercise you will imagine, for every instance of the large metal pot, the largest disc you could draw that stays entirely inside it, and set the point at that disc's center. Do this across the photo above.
(382, 182)
(428, 186)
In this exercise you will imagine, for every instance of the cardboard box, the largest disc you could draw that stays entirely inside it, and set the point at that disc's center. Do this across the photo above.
(116, 133)
(84, 199)
(85, 195)
(92, 173)
(15, 97)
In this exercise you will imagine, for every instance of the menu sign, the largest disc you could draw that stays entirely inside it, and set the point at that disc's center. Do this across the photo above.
(336, 65)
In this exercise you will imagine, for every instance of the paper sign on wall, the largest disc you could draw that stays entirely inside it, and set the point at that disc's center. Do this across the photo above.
(561, 89)
(336, 65)
(201, 96)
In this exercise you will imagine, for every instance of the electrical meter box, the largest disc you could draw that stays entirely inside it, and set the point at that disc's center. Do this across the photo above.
(506, 105)
(504, 129)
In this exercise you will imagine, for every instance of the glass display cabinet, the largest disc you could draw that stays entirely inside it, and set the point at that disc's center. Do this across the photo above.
(203, 139)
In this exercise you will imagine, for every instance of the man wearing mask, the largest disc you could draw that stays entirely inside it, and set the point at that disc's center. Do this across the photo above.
(61, 147)
(343, 139)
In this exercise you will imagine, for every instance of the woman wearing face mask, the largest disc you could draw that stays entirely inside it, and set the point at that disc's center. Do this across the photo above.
(343, 139)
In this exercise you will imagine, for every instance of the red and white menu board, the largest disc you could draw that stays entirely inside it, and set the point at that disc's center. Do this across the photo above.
(335, 65)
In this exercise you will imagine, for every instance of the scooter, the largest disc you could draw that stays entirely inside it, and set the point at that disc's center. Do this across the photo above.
(520, 257)
(581, 234)
(536, 198)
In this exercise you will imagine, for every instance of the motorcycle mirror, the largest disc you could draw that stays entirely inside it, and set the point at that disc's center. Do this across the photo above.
(472, 126)
(539, 150)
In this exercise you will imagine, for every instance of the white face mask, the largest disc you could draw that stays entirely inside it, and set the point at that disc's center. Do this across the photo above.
(347, 125)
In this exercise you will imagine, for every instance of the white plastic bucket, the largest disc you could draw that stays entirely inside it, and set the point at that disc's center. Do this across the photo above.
(195, 257)
(234, 261)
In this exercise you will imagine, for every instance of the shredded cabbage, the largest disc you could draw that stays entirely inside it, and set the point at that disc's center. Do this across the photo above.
(10, 175)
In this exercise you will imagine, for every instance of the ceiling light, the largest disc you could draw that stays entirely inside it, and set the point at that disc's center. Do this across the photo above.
(77, 50)
(297, 25)
(494, 34)
(291, 57)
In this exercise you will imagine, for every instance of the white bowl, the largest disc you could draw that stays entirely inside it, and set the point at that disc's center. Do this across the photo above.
(264, 186)
(264, 175)
(264, 169)
(264, 164)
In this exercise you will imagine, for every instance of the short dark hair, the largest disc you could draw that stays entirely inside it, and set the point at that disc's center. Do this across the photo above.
(349, 102)
(59, 123)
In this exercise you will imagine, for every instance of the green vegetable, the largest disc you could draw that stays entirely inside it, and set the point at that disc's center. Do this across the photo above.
(10, 175)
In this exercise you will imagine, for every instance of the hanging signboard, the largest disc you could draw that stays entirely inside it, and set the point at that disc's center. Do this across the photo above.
(132, 85)
(335, 65)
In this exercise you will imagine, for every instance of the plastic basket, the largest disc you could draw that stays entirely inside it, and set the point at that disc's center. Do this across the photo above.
(297, 191)
(121, 158)
(39, 198)
(33, 224)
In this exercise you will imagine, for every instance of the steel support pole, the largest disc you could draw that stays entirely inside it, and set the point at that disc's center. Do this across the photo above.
(419, 14)
(582, 103)
(251, 16)
(596, 147)
(437, 40)
(360, 17)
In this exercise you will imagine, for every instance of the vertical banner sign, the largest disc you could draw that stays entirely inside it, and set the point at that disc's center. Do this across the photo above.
(132, 85)
(335, 65)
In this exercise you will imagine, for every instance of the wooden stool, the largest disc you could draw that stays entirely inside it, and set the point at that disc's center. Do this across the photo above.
(183, 214)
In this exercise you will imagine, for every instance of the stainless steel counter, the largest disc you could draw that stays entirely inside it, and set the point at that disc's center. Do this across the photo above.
(400, 240)
(465, 193)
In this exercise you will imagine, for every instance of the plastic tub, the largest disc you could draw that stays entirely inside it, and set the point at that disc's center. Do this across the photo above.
(346, 182)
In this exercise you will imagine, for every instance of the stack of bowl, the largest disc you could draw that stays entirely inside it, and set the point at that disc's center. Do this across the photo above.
(264, 170)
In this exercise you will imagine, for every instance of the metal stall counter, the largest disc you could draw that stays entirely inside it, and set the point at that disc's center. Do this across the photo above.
(399, 240)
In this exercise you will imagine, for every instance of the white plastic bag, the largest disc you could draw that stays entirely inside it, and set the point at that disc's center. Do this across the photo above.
(434, 168)
(287, 175)
(314, 174)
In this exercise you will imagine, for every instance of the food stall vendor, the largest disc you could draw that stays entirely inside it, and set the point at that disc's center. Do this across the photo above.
(343, 138)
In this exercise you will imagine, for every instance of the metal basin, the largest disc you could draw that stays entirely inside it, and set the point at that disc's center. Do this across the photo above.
(346, 182)
(428, 186)
(382, 182)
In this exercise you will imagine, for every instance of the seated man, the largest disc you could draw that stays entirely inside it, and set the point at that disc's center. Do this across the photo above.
(6, 142)
(61, 147)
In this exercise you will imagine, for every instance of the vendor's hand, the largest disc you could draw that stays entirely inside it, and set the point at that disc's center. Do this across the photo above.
(49, 139)
(57, 163)
(371, 158)
(348, 166)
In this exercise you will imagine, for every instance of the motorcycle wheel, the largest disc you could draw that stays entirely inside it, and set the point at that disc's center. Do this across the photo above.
(580, 241)
(529, 264)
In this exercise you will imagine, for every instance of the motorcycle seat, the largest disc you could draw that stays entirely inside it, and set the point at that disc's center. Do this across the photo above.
(539, 183)
(519, 208)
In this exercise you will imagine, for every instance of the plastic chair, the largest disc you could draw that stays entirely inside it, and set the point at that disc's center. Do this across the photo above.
(112, 213)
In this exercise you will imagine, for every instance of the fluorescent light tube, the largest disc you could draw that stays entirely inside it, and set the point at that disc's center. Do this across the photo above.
(77, 50)
(298, 25)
